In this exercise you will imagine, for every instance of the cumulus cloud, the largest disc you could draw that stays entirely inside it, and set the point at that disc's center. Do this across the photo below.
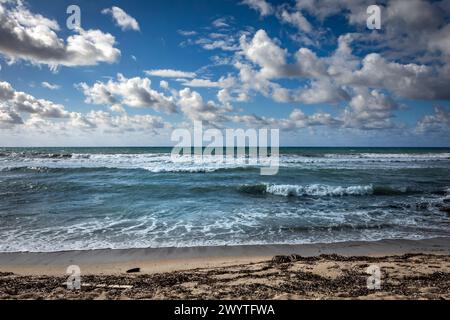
(410, 80)
(408, 60)
(17, 102)
(9, 118)
(164, 84)
(321, 91)
(122, 19)
(25, 35)
(196, 109)
(133, 92)
(22, 110)
(95, 122)
(411, 28)
(438, 122)
(264, 52)
(125, 123)
(332, 78)
(297, 119)
(170, 73)
(271, 60)
(370, 85)
(370, 110)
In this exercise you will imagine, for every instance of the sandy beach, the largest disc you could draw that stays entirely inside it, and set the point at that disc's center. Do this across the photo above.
(409, 270)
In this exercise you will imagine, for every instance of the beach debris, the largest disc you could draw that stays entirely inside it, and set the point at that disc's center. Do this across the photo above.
(134, 270)
(104, 285)
(107, 286)
(286, 259)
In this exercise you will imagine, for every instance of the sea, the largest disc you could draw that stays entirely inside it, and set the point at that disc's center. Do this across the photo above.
(57, 199)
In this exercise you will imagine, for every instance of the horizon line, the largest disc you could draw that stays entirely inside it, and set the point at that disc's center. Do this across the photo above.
(131, 146)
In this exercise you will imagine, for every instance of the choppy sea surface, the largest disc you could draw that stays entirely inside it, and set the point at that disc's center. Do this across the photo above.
(54, 199)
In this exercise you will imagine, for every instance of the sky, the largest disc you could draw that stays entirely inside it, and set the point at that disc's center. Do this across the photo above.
(133, 71)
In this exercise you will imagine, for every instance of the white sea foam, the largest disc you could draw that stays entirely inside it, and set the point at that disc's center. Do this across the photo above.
(162, 162)
(318, 190)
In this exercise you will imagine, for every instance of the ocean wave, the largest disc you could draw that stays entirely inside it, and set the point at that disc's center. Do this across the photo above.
(163, 162)
(287, 156)
(305, 190)
(152, 169)
(340, 227)
(440, 155)
(320, 190)
(366, 158)
(33, 169)
(35, 154)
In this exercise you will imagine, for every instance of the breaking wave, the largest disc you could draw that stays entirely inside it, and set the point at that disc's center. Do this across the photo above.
(320, 190)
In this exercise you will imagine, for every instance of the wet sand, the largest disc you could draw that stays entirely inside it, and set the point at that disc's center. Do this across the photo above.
(409, 270)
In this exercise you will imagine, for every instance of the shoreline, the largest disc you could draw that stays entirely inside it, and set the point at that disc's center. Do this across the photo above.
(409, 269)
(154, 260)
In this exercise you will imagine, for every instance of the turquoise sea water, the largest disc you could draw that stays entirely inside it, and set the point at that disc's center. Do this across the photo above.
(86, 198)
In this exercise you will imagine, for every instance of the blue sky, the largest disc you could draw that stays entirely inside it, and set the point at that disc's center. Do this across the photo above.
(136, 70)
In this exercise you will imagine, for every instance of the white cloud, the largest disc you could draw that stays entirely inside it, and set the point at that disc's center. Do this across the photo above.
(321, 91)
(296, 19)
(20, 102)
(96, 122)
(223, 82)
(331, 78)
(220, 23)
(411, 28)
(323, 9)
(262, 6)
(164, 84)
(29, 36)
(170, 73)
(9, 118)
(50, 86)
(265, 53)
(272, 62)
(226, 44)
(438, 122)
(370, 110)
(187, 33)
(195, 108)
(22, 112)
(297, 120)
(124, 123)
(122, 19)
(133, 92)
(411, 80)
